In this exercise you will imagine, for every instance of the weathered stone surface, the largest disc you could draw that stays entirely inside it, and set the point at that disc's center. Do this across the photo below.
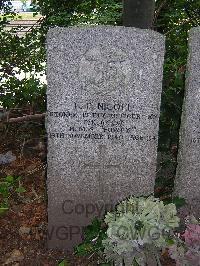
(187, 183)
(8, 157)
(104, 91)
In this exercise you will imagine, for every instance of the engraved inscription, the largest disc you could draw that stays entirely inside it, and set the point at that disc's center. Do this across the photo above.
(102, 72)
(101, 121)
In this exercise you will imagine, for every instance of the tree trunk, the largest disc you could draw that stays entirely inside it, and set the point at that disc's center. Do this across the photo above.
(138, 13)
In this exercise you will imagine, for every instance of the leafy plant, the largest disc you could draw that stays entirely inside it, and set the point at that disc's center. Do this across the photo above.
(138, 230)
(63, 263)
(8, 186)
(174, 19)
(134, 233)
(27, 54)
(179, 202)
(93, 236)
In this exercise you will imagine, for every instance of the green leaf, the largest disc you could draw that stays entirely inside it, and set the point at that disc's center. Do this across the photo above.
(170, 241)
(3, 210)
(9, 179)
(84, 249)
(63, 263)
(179, 202)
(20, 190)
(4, 189)
(93, 230)
(93, 236)
(4, 207)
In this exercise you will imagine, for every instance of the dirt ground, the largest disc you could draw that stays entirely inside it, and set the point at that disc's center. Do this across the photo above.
(23, 228)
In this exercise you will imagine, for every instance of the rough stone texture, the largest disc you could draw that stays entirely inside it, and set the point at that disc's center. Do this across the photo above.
(8, 157)
(187, 183)
(104, 91)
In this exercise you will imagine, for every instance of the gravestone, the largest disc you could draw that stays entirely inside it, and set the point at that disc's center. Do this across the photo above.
(104, 92)
(187, 184)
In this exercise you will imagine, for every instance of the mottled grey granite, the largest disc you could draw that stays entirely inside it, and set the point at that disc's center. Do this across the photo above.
(104, 91)
(8, 157)
(187, 183)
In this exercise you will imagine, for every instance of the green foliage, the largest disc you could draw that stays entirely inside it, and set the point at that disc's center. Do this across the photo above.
(179, 202)
(23, 59)
(174, 19)
(87, 13)
(27, 54)
(8, 186)
(93, 236)
(139, 228)
(6, 9)
(63, 263)
(65, 13)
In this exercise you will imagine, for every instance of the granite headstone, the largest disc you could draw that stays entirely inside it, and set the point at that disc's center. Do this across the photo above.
(187, 184)
(104, 92)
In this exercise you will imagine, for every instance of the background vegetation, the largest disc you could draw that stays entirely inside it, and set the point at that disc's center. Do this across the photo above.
(23, 91)
(23, 59)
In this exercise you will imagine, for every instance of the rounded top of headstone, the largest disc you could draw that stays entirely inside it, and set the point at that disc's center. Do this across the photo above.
(195, 30)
